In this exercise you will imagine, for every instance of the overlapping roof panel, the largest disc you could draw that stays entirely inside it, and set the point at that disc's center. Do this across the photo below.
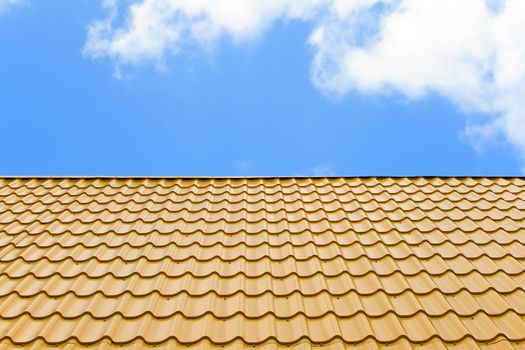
(269, 263)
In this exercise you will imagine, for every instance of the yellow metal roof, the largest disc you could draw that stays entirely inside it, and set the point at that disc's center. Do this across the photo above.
(366, 263)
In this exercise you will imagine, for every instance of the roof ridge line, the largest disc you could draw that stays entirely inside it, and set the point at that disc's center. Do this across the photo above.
(226, 177)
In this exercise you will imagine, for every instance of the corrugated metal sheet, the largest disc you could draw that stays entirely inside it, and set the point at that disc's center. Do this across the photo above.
(364, 263)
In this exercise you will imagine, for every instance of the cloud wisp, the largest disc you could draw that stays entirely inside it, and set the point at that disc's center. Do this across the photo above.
(6, 4)
(471, 52)
(324, 170)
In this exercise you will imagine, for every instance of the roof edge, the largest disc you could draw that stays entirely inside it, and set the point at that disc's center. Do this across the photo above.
(198, 177)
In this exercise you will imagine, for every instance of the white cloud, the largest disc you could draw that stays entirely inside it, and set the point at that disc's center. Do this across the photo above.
(154, 28)
(471, 52)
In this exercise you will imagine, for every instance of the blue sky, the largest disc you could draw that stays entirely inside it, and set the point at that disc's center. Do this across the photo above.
(242, 107)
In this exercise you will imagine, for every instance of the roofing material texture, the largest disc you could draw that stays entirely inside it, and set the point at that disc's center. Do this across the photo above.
(365, 263)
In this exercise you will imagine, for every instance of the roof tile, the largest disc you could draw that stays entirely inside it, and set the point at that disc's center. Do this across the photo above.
(364, 263)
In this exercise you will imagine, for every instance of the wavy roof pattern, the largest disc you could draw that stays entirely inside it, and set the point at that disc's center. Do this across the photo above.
(265, 263)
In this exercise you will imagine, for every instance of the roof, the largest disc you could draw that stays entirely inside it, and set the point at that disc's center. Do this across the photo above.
(269, 263)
